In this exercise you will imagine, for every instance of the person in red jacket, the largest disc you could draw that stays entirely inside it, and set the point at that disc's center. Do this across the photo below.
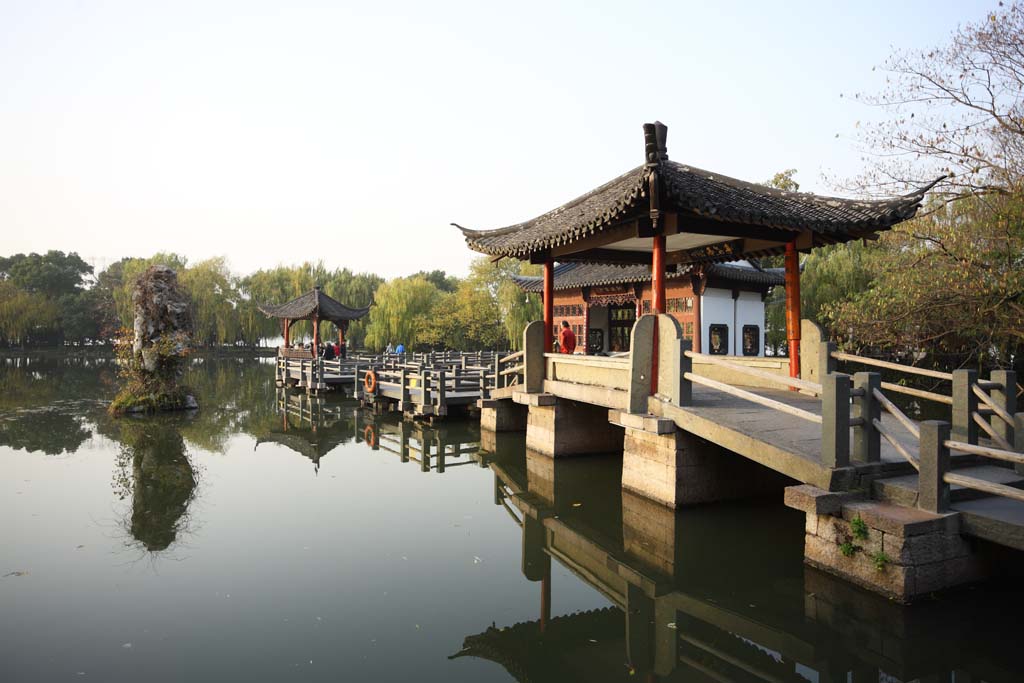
(566, 338)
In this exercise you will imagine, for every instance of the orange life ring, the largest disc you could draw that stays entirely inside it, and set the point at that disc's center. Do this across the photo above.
(370, 436)
(370, 382)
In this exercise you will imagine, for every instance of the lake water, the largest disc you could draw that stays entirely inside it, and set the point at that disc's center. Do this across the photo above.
(272, 537)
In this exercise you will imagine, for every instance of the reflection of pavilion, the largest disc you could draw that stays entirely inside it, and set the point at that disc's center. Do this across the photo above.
(311, 426)
(710, 595)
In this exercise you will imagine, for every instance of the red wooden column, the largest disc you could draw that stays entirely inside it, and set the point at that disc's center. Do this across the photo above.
(658, 275)
(549, 304)
(657, 300)
(316, 337)
(793, 308)
(287, 332)
(341, 335)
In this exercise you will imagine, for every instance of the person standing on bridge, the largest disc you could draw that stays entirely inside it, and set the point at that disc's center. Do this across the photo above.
(566, 339)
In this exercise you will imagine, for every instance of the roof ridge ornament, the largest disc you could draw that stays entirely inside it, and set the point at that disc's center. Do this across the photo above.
(655, 137)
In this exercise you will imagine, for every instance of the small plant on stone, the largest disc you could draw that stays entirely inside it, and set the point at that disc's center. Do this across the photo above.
(880, 559)
(860, 528)
(848, 549)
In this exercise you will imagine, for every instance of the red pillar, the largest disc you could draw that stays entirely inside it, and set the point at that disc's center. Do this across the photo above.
(287, 332)
(549, 304)
(658, 275)
(793, 308)
(657, 300)
(316, 337)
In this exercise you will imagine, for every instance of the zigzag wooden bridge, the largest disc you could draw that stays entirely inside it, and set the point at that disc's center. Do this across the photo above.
(429, 384)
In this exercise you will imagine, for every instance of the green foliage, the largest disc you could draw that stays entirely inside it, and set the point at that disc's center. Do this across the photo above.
(880, 560)
(403, 312)
(963, 262)
(25, 316)
(847, 548)
(859, 528)
(430, 309)
(53, 273)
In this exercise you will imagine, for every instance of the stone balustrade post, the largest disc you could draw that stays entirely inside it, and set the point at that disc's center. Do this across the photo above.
(933, 491)
(835, 420)
(533, 357)
(1005, 398)
(866, 439)
(965, 404)
(826, 363)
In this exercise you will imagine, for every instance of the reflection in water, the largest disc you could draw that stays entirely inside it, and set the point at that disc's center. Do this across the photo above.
(53, 430)
(161, 482)
(309, 425)
(315, 426)
(713, 593)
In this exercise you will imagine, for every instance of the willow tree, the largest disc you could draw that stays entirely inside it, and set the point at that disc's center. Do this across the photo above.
(401, 313)
(25, 314)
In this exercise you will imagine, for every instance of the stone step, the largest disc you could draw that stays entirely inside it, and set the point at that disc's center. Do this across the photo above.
(902, 490)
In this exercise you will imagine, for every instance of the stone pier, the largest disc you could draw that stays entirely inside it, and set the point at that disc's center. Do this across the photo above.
(900, 552)
(557, 427)
(501, 415)
(675, 468)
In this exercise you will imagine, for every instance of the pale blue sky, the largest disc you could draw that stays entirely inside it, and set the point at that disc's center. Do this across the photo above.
(355, 133)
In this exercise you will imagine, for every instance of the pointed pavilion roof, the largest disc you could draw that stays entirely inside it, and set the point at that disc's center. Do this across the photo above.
(314, 304)
(707, 217)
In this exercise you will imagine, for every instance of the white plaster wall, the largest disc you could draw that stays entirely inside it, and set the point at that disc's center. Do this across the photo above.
(599, 321)
(749, 311)
(716, 308)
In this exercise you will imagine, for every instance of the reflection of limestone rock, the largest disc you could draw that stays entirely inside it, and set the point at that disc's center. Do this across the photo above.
(163, 486)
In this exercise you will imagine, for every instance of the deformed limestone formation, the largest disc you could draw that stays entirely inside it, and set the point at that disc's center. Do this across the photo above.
(152, 363)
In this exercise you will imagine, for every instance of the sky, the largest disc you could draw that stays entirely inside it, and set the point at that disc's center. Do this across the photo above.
(355, 133)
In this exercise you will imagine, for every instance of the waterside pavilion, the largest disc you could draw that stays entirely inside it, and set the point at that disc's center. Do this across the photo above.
(316, 306)
(666, 215)
(687, 436)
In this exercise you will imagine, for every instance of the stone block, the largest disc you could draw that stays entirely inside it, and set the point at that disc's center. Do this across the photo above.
(680, 469)
(899, 520)
(815, 501)
(570, 428)
(893, 580)
(502, 415)
(924, 548)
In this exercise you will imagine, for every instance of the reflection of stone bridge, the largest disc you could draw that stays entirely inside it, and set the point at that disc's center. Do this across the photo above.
(705, 595)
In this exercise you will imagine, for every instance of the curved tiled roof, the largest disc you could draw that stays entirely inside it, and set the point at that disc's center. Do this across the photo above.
(315, 301)
(691, 191)
(573, 275)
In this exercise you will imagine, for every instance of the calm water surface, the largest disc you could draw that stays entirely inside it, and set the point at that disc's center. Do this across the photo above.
(269, 537)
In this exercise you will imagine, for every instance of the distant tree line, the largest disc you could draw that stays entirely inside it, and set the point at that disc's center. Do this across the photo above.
(55, 299)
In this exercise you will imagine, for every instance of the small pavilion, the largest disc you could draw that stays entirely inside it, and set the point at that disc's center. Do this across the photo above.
(315, 306)
(665, 215)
